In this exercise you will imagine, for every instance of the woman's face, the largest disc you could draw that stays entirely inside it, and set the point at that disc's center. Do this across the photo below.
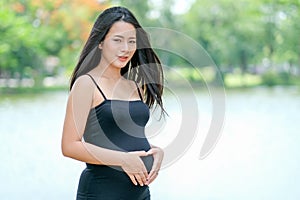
(119, 45)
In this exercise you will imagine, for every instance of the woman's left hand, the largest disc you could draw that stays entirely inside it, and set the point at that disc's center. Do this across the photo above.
(158, 155)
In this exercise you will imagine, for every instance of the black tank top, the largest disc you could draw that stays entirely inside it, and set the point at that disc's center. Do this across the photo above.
(119, 125)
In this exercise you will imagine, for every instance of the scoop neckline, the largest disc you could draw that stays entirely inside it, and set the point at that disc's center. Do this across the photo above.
(120, 100)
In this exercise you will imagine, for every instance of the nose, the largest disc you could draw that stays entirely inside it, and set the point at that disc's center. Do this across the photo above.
(124, 47)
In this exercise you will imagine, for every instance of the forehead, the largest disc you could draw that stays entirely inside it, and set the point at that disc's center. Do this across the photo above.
(122, 28)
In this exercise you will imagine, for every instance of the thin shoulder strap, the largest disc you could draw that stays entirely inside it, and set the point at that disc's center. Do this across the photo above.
(97, 86)
(139, 91)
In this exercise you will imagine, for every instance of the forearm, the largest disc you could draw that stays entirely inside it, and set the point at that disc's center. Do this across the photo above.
(92, 154)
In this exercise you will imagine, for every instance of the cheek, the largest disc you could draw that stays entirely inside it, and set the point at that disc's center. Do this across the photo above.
(110, 46)
(132, 51)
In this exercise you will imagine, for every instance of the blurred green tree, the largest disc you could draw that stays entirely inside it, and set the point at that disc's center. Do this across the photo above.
(247, 36)
(19, 52)
(31, 32)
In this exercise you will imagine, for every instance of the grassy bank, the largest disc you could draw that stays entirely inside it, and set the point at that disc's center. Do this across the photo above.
(268, 79)
(31, 90)
(189, 77)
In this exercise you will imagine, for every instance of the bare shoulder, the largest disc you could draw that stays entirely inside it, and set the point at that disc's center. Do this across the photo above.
(83, 85)
(83, 82)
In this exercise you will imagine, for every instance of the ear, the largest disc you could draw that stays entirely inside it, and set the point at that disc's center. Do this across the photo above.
(100, 45)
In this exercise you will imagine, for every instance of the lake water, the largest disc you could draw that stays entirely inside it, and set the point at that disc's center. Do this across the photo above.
(257, 156)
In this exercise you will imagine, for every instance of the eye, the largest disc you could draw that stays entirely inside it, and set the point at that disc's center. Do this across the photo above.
(117, 40)
(132, 42)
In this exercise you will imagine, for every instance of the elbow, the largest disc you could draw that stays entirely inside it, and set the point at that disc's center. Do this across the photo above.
(65, 150)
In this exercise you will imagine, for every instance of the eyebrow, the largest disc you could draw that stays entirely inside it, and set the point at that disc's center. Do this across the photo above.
(120, 36)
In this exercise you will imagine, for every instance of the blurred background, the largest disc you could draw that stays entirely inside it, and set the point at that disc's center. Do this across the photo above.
(256, 48)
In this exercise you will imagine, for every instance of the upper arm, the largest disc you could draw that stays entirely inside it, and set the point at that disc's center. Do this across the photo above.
(78, 107)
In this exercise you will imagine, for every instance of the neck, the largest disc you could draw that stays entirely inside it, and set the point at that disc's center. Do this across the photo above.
(109, 72)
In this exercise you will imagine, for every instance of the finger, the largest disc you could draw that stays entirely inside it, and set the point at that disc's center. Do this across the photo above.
(152, 178)
(144, 174)
(152, 173)
(132, 178)
(139, 153)
(139, 178)
(154, 169)
(151, 151)
(146, 177)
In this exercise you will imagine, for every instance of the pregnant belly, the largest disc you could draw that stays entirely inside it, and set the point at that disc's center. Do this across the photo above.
(148, 161)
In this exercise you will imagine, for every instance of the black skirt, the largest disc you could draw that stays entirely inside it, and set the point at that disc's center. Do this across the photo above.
(100, 182)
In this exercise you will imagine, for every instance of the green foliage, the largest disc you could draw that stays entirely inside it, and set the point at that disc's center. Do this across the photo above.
(18, 48)
(243, 33)
(283, 78)
(40, 38)
(236, 34)
(23, 46)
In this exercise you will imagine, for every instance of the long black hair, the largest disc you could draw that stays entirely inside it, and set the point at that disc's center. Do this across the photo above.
(144, 67)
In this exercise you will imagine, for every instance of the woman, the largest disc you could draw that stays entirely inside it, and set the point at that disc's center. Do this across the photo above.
(109, 110)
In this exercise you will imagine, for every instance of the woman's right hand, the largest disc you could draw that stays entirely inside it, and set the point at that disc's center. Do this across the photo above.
(134, 167)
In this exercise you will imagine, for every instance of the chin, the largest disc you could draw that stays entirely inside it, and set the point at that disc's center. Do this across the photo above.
(120, 65)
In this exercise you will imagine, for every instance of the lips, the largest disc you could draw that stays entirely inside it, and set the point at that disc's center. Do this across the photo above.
(123, 58)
